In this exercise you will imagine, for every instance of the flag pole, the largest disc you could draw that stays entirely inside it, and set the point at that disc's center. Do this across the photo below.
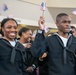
(42, 7)
(42, 13)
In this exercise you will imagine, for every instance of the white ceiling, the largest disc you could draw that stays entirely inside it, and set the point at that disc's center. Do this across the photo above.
(23, 9)
(57, 6)
(54, 11)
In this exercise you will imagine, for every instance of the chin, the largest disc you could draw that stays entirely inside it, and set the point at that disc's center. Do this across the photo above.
(12, 37)
(66, 31)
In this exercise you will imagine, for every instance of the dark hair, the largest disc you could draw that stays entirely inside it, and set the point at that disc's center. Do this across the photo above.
(7, 19)
(24, 29)
(72, 27)
(59, 16)
(4, 21)
(1, 32)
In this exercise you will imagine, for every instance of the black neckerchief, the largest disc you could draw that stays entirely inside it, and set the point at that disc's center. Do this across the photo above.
(13, 53)
(66, 49)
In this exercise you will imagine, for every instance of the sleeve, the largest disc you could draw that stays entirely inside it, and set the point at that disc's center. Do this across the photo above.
(39, 45)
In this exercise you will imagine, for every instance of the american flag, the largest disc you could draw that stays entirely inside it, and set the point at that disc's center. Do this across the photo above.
(74, 12)
(34, 33)
(47, 29)
(42, 6)
(3, 8)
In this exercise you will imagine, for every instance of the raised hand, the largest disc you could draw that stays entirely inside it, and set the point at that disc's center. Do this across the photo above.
(41, 22)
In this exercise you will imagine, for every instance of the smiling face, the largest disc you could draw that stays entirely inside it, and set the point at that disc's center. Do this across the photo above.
(27, 35)
(10, 30)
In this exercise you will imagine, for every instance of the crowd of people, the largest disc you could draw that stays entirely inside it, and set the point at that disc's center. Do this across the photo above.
(51, 55)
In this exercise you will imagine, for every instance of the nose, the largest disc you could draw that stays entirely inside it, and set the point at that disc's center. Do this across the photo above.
(13, 29)
(67, 24)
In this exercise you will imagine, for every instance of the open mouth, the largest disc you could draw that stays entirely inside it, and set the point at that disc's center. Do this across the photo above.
(12, 34)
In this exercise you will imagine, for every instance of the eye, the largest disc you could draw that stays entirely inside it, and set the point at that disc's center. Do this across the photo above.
(9, 27)
(69, 22)
(66, 21)
(15, 27)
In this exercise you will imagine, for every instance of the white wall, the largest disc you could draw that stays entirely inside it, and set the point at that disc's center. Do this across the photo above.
(62, 3)
(27, 12)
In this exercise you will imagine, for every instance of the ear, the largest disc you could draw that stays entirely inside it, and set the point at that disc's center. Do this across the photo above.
(57, 24)
(2, 29)
(22, 33)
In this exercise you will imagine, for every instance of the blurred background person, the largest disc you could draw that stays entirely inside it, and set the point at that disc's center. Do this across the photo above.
(25, 39)
(73, 29)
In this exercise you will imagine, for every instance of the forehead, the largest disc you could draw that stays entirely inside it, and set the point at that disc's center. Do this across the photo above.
(67, 18)
(29, 31)
(10, 23)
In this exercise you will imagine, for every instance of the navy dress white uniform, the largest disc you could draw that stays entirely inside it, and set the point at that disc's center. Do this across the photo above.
(61, 57)
(12, 59)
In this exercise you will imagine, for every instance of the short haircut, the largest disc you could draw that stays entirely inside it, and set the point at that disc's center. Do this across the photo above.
(59, 16)
(24, 29)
